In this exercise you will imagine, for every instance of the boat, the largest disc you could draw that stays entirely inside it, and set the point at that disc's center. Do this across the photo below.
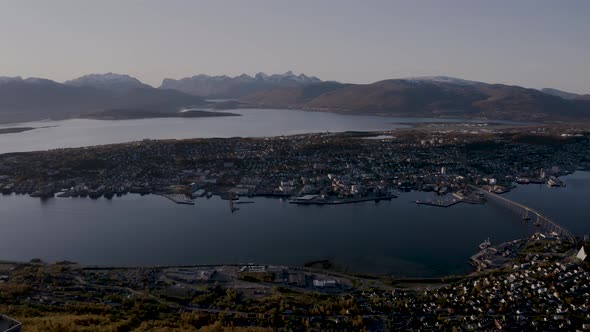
(65, 193)
(109, 193)
(485, 244)
(555, 182)
(96, 193)
(46, 192)
(7, 189)
(232, 208)
(526, 216)
(180, 199)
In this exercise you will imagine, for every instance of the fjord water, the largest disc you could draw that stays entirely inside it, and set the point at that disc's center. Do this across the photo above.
(568, 206)
(390, 237)
(395, 236)
(251, 123)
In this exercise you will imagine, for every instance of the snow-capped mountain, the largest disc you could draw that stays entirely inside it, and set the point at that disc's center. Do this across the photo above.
(442, 79)
(289, 76)
(108, 81)
(38, 98)
(6, 79)
(236, 87)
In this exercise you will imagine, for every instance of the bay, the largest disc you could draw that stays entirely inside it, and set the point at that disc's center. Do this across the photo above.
(251, 123)
(394, 237)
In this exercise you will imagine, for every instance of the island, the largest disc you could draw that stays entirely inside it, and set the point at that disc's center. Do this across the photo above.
(128, 114)
(15, 130)
(331, 167)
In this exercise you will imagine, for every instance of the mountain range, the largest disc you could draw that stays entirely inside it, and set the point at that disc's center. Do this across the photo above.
(566, 95)
(108, 81)
(225, 87)
(437, 96)
(37, 99)
(434, 96)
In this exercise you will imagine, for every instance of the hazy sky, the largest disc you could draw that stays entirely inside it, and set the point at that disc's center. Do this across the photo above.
(534, 43)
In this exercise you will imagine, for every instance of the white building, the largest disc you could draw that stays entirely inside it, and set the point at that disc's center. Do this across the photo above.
(581, 254)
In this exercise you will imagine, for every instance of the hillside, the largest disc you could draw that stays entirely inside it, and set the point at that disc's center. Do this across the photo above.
(108, 81)
(38, 99)
(438, 96)
(560, 93)
(434, 96)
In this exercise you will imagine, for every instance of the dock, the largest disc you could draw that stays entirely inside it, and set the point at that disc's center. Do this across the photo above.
(470, 198)
(179, 199)
(439, 203)
(338, 201)
(243, 202)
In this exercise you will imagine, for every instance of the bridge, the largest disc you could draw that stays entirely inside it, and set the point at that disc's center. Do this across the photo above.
(529, 214)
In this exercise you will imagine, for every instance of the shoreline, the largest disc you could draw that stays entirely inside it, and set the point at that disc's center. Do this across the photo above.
(98, 267)
(117, 115)
(479, 268)
(16, 130)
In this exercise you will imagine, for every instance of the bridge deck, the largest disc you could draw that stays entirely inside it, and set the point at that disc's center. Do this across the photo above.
(528, 211)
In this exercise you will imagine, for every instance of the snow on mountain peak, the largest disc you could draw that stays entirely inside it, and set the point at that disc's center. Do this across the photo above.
(441, 79)
(109, 81)
(6, 79)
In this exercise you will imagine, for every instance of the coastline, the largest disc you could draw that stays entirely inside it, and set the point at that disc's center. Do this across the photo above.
(126, 114)
(16, 130)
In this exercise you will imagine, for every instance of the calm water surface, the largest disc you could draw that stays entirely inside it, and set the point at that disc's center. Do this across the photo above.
(390, 237)
(569, 206)
(252, 123)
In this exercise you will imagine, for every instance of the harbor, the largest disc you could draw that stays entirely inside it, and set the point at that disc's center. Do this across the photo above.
(293, 234)
(496, 256)
(456, 198)
(319, 200)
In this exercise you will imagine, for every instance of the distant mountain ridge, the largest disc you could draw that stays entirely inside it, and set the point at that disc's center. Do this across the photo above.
(108, 81)
(5, 79)
(441, 79)
(37, 99)
(226, 87)
(437, 96)
(432, 96)
(566, 95)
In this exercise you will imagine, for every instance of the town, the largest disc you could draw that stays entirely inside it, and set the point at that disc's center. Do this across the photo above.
(540, 282)
(316, 168)
(545, 286)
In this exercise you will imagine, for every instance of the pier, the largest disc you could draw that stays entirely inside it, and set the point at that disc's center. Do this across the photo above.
(180, 199)
(337, 201)
(439, 203)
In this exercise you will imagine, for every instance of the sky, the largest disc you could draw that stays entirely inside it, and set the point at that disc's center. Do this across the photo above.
(533, 43)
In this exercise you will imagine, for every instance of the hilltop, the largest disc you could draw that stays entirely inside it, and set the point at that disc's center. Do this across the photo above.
(428, 97)
(432, 96)
(38, 99)
(225, 87)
